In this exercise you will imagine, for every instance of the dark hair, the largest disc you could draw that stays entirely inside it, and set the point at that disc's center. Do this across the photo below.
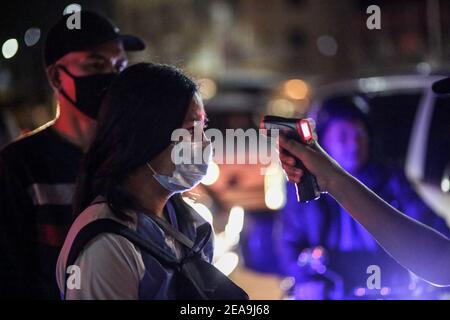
(339, 108)
(141, 109)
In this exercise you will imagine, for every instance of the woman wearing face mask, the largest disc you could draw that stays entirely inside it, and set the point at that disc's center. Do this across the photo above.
(130, 176)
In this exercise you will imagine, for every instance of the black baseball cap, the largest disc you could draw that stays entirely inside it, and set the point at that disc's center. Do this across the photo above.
(94, 30)
(441, 86)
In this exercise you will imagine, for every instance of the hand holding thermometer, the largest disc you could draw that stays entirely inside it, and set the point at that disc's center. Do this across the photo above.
(299, 130)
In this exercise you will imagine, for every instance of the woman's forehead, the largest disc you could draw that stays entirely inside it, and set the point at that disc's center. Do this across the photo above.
(196, 105)
(197, 100)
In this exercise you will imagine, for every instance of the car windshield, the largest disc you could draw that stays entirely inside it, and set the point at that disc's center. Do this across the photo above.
(438, 147)
(391, 116)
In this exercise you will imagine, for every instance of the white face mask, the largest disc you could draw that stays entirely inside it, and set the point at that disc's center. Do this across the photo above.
(187, 175)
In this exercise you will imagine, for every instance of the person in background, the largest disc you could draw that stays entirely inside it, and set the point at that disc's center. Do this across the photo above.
(344, 132)
(38, 171)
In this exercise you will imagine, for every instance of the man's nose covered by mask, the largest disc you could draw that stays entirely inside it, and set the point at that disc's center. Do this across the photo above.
(190, 170)
(89, 91)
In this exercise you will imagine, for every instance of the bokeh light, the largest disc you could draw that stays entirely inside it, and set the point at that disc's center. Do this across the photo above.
(208, 88)
(32, 36)
(212, 175)
(296, 89)
(10, 48)
(327, 45)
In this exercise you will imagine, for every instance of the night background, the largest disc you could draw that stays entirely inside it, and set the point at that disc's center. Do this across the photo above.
(280, 57)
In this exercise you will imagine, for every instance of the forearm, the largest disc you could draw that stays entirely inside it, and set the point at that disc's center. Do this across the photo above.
(414, 245)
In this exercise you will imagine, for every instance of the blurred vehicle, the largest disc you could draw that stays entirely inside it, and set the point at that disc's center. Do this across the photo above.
(412, 127)
(413, 130)
(243, 242)
(237, 102)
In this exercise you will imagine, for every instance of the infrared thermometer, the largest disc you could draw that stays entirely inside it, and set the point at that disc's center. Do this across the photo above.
(300, 131)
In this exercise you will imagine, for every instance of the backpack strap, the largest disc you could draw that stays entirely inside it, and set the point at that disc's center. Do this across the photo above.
(203, 232)
(194, 247)
(95, 228)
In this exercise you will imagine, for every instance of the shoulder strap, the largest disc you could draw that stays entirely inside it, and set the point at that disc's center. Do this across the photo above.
(203, 234)
(95, 228)
(194, 274)
(170, 230)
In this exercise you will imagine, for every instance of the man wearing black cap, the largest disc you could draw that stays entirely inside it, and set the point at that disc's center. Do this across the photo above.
(38, 171)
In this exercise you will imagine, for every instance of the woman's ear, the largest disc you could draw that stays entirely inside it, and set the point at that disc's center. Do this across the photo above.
(53, 77)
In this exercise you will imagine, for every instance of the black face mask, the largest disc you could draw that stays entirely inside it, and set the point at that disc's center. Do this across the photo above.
(89, 91)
